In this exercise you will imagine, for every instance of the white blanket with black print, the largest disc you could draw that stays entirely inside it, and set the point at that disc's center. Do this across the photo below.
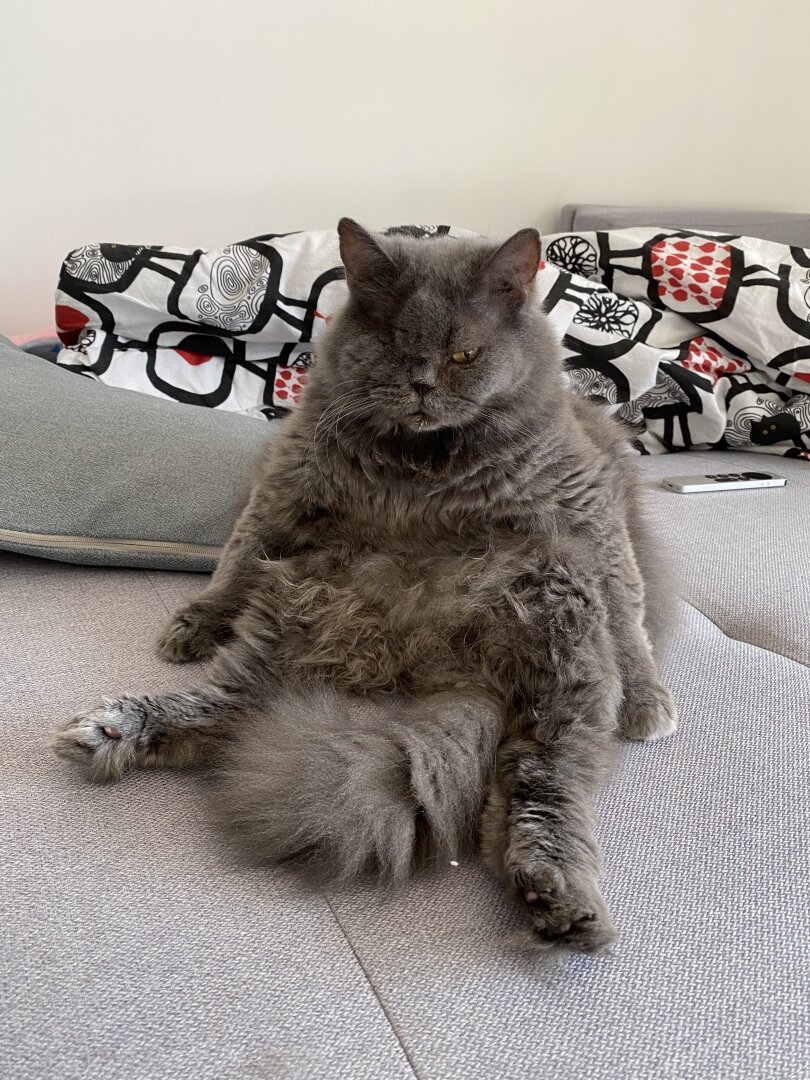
(696, 339)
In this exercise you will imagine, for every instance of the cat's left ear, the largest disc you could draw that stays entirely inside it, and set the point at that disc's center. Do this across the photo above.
(370, 273)
(507, 277)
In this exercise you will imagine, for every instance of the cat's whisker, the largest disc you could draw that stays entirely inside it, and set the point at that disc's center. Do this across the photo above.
(325, 417)
(347, 415)
(508, 437)
(333, 404)
(348, 409)
(329, 418)
(315, 436)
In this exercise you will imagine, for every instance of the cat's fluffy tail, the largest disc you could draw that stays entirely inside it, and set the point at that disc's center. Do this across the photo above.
(349, 785)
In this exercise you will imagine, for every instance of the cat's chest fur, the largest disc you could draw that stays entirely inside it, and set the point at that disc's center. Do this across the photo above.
(376, 616)
(407, 580)
(410, 580)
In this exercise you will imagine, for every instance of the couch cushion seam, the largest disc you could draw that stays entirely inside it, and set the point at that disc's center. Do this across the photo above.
(373, 988)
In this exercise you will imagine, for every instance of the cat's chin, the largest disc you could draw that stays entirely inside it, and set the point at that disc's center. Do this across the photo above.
(421, 421)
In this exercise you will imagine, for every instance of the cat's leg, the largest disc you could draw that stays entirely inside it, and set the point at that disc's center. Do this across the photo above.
(647, 710)
(182, 727)
(538, 831)
(195, 630)
(538, 825)
(173, 729)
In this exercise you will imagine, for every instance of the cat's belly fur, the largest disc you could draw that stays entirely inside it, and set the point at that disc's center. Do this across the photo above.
(383, 622)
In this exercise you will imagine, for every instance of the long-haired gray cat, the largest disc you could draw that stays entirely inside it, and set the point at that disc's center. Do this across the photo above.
(429, 622)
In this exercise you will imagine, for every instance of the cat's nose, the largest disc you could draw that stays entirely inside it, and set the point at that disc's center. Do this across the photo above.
(422, 387)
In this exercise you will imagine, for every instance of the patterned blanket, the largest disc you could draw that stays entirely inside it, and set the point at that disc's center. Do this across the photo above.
(696, 339)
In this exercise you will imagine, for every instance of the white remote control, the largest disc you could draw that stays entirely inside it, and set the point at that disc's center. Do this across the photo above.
(684, 485)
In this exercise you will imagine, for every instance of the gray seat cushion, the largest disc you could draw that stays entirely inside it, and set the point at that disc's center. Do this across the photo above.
(705, 839)
(742, 557)
(94, 474)
(137, 948)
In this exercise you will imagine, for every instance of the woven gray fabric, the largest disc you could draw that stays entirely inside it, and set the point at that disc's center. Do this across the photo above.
(84, 460)
(742, 557)
(783, 228)
(136, 948)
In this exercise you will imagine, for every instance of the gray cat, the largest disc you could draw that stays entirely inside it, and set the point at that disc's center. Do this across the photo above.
(429, 622)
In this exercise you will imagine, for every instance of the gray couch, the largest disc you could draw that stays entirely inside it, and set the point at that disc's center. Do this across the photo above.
(136, 947)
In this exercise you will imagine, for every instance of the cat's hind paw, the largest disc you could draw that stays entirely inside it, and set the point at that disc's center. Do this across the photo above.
(104, 740)
(567, 912)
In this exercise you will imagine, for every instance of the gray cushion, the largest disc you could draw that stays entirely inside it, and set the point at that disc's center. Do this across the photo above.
(136, 947)
(99, 475)
(783, 228)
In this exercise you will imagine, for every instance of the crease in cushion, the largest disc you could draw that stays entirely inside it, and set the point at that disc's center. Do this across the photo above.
(159, 484)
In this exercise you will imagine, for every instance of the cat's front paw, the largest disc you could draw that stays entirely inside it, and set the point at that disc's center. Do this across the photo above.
(106, 740)
(193, 633)
(648, 713)
(566, 908)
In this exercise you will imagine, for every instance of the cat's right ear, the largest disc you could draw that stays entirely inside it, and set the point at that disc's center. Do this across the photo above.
(370, 273)
(507, 277)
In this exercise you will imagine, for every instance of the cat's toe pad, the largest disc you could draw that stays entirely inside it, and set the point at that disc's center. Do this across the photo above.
(567, 913)
(103, 739)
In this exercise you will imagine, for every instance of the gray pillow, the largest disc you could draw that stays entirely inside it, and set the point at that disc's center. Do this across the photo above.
(93, 474)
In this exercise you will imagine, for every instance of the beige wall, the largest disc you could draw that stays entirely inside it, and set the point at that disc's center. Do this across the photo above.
(196, 122)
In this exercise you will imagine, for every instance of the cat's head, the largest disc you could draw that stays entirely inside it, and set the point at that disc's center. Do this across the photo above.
(435, 330)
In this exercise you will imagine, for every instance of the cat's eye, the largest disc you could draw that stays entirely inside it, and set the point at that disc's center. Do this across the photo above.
(466, 356)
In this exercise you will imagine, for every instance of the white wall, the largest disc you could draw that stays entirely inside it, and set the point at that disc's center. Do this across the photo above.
(197, 122)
